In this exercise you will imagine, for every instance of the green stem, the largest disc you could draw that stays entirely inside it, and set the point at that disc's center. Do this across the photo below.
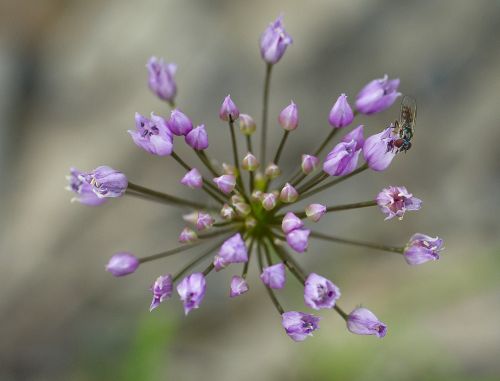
(325, 142)
(209, 268)
(313, 182)
(280, 147)
(340, 312)
(376, 246)
(173, 200)
(206, 161)
(335, 208)
(289, 262)
(265, 104)
(236, 156)
(247, 263)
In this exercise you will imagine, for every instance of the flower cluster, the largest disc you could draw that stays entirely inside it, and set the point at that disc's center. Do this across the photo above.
(247, 205)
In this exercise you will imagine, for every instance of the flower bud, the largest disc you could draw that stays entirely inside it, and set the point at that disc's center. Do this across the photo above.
(362, 321)
(197, 138)
(269, 201)
(247, 125)
(298, 325)
(122, 264)
(377, 95)
(319, 292)
(229, 169)
(288, 194)
(225, 183)
(227, 212)
(341, 114)
(192, 179)
(242, 209)
(192, 291)
(238, 286)
(342, 160)
(191, 217)
(233, 250)
(272, 171)
(204, 221)
(274, 41)
(162, 290)
(161, 78)
(274, 276)
(256, 195)
(422, 248)
(179, 123)
(298, 239)
(291, 222)
(289, 117)
(315, 211)
(237, 198)
(260, 181)
(250, 222)
(250, 162)
(309, 163)
(228, 110)
(188, 236)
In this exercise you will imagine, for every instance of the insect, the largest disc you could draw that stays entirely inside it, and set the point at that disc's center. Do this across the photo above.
(405, 127)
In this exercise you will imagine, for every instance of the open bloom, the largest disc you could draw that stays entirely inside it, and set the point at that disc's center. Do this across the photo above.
(341, 114)
(152, 135)
(274, 276)
(192, 179)
(161, 78)
(362, 321)
(192, 291)
(84, 192)
(376, 150)
(298, 325)
(179, 123)
(342, 160)
(106, 181)
(161, 289)
(197, 138)
(289, 117)
(377, 95)
(274, 41)
(238, 286)
(298, 239)
(320, 292)
(122, 264)
(422, 248)
(233, 250)
(395, 201)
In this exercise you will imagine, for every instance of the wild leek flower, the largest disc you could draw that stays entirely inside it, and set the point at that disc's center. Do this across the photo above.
(245, 210)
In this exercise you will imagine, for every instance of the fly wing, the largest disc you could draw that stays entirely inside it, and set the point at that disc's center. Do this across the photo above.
(408, 112)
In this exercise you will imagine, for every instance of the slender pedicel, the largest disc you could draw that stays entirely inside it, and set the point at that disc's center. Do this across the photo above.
(326, 237)
(334, 208)
(269, 291)
(265, 103)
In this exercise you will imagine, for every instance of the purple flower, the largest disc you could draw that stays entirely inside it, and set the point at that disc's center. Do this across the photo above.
(106, 181)
(228, 110)
(233, 250)
(342, 160)
(192, 290)
(377, 95)
(274, 41)
(288, 194)
(179, 123)
(274, 276)
(238, 286)
(309, 163)
(421, 248)
(376, 150)
(122, 264)
(197, 138)
(298, 325)
(298, 239)
(291, 222)
(152, 135)
(204, 221)
(356, 135)
(247, 124)
(192, 179)
(225, 183)
(250, 162)
(315, 211)
(84, 193)
(289, 117)
(269, 201)
(320, 292)
(162, 290)
(187, 236)
(161, 78)
(341, 114)
(395, 201)
(362, 321)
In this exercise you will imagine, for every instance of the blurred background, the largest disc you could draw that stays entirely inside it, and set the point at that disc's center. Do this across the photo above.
(71, 77)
